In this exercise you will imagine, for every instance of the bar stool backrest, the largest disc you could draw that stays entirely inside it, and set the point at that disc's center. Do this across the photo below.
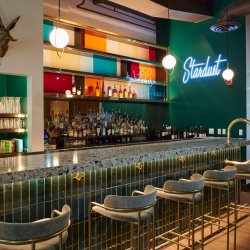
(243, 168)
(35, 230)
(132, 202)
(229, 172)
(196, 183)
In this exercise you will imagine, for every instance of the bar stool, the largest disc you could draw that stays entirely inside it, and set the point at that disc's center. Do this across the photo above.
(45, 234)
(225, 180)
(243, 173)
(189, 192)
(132, 209)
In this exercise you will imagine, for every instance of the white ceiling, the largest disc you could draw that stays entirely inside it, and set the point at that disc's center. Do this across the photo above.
(156, 10)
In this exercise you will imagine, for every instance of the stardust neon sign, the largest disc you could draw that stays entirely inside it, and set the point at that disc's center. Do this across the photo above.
(193, 70)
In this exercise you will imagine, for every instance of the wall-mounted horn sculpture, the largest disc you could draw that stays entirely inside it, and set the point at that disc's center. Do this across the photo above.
(5, 36)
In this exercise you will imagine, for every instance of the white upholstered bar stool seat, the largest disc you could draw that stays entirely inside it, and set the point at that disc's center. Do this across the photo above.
(132, 209)
(243, 171)
(45, 234)
(185, 191)
(223, 179)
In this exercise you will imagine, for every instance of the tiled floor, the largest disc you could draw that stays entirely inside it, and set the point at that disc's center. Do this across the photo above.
(218, 242)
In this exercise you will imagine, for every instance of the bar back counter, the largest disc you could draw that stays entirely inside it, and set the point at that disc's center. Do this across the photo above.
(33, 185)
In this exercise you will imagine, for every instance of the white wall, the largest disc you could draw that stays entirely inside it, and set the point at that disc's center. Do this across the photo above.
(25, 57)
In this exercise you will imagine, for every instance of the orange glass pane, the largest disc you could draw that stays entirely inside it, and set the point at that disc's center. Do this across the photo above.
(147, 72)
(93, 86)
(95, 41)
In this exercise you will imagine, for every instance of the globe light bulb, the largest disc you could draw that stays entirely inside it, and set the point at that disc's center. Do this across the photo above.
(59, 38)
(228, 74)
(169, 62)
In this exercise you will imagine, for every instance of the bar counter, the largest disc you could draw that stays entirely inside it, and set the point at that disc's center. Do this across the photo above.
(33, 185)
(54, 163)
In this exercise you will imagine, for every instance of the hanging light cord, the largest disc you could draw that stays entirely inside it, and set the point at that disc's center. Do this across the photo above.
(58, 26)
(59, 10)
(227, 38)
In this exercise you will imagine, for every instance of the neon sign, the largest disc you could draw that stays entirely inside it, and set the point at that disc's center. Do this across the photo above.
(193, 70)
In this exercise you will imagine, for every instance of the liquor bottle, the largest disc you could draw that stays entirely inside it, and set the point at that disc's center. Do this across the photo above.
(125, 92)
(114, 92)
(130, 95)
(73, 90)
(79, 91)
(120, 92)
(134, 95)
(109, 91)
(163, 132)
(97, 90)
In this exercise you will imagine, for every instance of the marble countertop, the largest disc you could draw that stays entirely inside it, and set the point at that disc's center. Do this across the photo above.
(24, 167)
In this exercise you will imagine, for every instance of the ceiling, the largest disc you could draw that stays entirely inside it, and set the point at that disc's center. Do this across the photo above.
(190, 11)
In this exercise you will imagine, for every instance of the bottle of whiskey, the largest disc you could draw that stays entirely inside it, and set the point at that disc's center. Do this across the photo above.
(125, 92)
(109, 91)
(73, 90)
(134, 95)
(130, 95)
(79, 91)
(114, 92)
(120, 92)
(97, 90)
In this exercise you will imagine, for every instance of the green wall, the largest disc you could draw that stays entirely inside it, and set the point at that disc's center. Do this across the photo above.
(11, 85)
(206, 101)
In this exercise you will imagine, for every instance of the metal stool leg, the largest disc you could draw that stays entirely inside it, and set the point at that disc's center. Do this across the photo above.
(153, 227)
(132, 236)
(202, 220)
(235, 211)
(228, 222)
(211, 203)
(189, 228)
(178, 223)
(193, 214)
(148, 232)
(139, 229)
(89, 226)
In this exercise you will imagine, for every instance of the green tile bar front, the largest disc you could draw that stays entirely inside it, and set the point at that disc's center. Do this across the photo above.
(28, 200)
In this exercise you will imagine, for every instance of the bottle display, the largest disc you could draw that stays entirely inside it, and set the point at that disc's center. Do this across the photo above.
(120, 92)
(130, 94)
(109, 91)
(79, 91)
(172, 133)
(125, 92)
(114, 92)
(97, 90)
(73, 90)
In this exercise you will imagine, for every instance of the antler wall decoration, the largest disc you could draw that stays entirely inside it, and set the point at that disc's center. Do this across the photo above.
(5, 36)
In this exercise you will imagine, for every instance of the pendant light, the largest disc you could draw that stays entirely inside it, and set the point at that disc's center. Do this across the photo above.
(168, 60)
(228, 74)
(58, 37)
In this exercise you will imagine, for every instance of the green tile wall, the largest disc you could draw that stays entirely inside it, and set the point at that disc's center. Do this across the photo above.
(207, 101)
(34, 199)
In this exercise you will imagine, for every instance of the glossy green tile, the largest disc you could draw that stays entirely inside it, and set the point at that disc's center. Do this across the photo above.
(40, 186)
(87, 182)
(17, 191)
(104, 178)
(98, 179)
(25, 193)
(55, 188)
(32, 191)
(62, 186)
(8, 196)
(48, 189)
